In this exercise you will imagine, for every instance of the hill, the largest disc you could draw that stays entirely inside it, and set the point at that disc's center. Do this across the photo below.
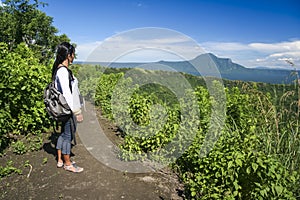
(211, 65)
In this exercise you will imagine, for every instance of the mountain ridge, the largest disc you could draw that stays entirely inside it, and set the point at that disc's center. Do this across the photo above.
(209, 64)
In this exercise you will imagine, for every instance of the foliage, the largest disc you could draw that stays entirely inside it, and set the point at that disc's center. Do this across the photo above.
(22, 84)
(104, 90)
(34, 142)
(237, 167)
(21, 21)
(252, 157)
(88, 76)
(9, 169)
(28, 143)
(45, 160)
(234, 169)
(19, 147)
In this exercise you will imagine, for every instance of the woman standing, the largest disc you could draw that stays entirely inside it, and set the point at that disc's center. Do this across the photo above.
(67, 84)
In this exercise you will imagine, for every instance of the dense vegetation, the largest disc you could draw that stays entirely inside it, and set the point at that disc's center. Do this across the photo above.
(22, 83)
(27, 44)
(251, 153)
(256, 155)
(21, 21)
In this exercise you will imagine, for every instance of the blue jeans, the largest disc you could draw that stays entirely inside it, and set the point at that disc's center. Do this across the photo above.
(66, 137)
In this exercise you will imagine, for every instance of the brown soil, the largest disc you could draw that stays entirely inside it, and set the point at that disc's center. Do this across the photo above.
(97, 181)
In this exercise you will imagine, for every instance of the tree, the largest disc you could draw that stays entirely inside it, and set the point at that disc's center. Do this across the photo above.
(22, 21)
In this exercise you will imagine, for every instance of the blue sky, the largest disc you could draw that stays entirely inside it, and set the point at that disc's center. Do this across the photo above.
(250, 32)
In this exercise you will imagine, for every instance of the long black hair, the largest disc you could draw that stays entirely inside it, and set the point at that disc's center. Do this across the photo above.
(63, 50)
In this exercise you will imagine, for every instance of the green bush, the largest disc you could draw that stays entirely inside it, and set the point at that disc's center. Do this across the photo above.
(9, 169)
(104, 92)
(237, 167)
(88, 77)
(19, 147)
(234, 169)
(235, 163)
(22, 83)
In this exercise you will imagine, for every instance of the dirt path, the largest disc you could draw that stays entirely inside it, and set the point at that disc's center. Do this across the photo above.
(98, 181)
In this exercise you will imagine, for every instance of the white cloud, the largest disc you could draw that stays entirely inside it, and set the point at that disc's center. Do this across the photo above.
(277, 47)
(155, 44)
(83, 50)
(139, 4)
(258, 54)
(286, 54)
(224, 46)
(141, 45)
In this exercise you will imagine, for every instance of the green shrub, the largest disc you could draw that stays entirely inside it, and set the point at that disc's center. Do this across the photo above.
(19, 147)
(104, 92)
(22, 83)
(250, 158)
(88, 77)
(234, 169)
(9, 169)
(237, 167)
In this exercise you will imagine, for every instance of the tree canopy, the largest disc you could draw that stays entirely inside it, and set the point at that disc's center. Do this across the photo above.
(22, 21)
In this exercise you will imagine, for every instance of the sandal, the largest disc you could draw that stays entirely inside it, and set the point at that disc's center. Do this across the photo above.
(61, 164)
(73, 168)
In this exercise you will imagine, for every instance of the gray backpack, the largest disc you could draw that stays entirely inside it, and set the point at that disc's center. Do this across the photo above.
(55, 102)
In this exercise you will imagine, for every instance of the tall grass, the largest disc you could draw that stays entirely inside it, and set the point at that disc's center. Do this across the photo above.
(288, 116)
(279, 124)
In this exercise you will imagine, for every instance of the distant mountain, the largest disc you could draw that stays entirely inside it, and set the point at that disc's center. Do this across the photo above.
(232, 71)
(262, 67)
(210, 65)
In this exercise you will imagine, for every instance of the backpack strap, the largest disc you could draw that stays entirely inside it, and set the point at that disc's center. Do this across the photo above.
(71, 78)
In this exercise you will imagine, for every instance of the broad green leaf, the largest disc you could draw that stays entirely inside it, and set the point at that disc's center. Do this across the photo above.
(254, 166)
